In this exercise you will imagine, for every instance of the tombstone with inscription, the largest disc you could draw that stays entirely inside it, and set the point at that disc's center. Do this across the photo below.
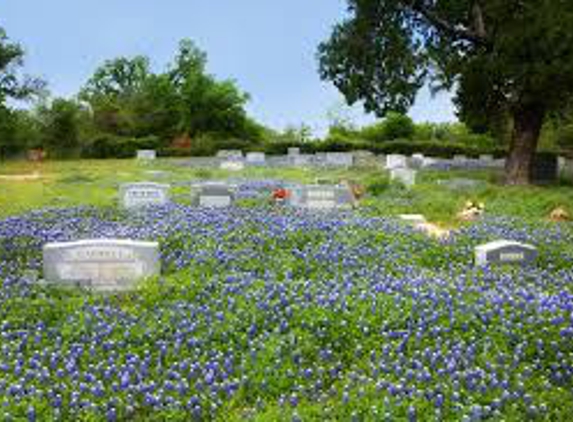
(136, 195)
(146, 154)
(395, 161)
(256, 158)
(505, 252)
(236, 154)
(322, 197)
(339, 159)
(299, 160)
(404, 175)
(216, 195)
(101, 264)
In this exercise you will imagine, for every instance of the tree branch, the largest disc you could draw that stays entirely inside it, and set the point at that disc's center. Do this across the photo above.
(477, 36)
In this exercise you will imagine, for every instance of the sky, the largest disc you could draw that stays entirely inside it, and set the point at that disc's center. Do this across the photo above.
(267, 46)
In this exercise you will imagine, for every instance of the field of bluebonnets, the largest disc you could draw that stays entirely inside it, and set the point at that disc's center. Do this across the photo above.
(266, 313)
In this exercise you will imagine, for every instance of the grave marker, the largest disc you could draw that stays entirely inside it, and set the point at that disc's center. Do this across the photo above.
(505, 252)
(404, 175)
(136, 195)
(146, 154)
(101, 264)
(395, 161)
(256, 158)
(339, 159)
(216, 195)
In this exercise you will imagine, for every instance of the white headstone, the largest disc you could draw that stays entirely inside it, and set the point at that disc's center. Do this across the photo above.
(404, 175)
(135, 195)
(339, 159)
(505, 252)
(256, 158)
(230, 154)
(216, 195)
(101, 264)
(293, 151)
(146, 154)
(395, 161)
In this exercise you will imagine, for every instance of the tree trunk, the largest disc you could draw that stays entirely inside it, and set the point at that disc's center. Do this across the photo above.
(527, 123)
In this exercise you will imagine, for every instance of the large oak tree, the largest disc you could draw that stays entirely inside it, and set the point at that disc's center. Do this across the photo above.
(502, 56)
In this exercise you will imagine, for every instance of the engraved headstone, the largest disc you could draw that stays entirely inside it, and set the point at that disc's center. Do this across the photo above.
(322, 197)
(394, 161)
(404, 175)
(339, 159)
(146, 154)
(136, 195)
(216, 195)
(256, 158)
(230, 154)
(101, 264)
(505, 252)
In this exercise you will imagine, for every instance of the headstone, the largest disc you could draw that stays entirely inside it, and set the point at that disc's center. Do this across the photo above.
(322, 197)
(395, 161)
(404, 175)
(146, 154)
(364, 159)
(505, 252)
(300, 160)
(545, 169)
(101, 264)
(136, 195)
(416, 161)
(216, 195)
(256, 158)
(486, 158)
(293, 151)
(236, 154)
(460, 159)
(339, 159)
(566, 168)
(232, 165)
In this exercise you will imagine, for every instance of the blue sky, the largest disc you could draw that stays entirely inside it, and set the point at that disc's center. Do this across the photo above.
(267, 46)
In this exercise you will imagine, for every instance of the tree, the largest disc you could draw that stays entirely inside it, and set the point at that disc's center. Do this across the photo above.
(60, 122)
(14, 86)
(517, 54)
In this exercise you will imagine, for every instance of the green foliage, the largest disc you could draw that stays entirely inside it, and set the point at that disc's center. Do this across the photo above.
(60, 123)
(394, 126)
(12, 85)
(509, 61)
(107, 145)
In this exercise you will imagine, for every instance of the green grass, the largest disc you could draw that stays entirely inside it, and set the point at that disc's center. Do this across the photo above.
(96, 182)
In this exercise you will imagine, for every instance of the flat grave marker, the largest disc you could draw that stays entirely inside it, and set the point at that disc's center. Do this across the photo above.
(101, 264)
(216, 195)
(146, 154)
(136, 195)
(505, 252)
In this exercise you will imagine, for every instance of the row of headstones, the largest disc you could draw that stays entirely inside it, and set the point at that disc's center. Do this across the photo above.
(221, 194)
(115, 265)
